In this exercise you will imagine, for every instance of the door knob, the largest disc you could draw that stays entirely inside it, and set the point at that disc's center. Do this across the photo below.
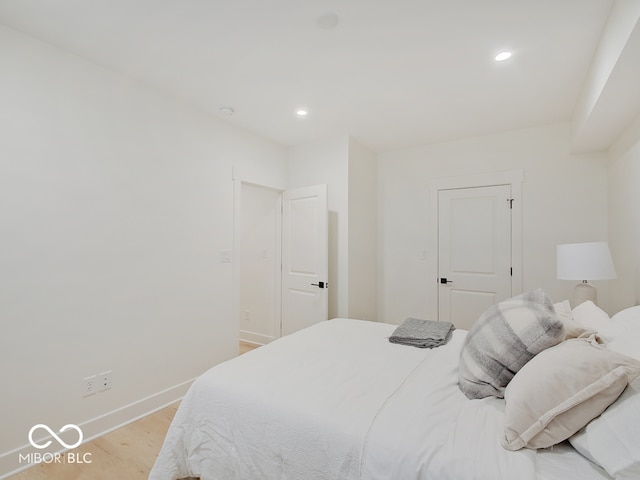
(445, 281)
(321, 285)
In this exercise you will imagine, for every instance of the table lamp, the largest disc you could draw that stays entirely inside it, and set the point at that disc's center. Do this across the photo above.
(585, 261)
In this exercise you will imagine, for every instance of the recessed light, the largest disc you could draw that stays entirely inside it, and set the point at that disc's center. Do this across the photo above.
(226, 111)
(301, 112)
(502, 56)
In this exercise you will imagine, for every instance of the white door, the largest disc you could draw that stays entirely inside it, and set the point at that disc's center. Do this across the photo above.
(305, 257)
(474, 251)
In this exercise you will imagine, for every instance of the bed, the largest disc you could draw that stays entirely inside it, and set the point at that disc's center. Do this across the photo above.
(339, 401)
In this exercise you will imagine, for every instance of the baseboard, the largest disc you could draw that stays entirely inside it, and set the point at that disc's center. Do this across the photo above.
(10, 462)
(257, 338)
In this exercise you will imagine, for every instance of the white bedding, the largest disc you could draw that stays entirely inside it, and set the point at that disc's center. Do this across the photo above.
(339, 401)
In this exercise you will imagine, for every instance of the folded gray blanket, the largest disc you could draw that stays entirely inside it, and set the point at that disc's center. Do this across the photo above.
(422, 333)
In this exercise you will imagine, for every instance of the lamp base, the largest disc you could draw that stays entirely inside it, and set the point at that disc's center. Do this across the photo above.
(583, 292)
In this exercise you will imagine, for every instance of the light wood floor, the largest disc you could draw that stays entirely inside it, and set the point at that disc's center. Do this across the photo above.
(246, 346)
(127, 453)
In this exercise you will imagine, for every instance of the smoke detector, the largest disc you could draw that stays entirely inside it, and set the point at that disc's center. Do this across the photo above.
(327, 21)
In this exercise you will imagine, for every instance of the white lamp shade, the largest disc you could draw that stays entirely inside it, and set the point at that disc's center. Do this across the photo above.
(585, 261)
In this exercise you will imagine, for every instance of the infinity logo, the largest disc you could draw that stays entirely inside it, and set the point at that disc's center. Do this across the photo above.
(70, 426)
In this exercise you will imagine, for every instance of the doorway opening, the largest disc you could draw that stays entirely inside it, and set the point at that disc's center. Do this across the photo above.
(281, 272)
(258, 255)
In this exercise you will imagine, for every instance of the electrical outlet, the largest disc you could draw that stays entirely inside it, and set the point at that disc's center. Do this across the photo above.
(104, 381)
(89, 386)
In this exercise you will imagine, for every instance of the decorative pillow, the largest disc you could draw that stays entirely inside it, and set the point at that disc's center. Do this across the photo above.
(572, 329)
(561, 390)
(592, 317)
(504, 338)
(613, 439)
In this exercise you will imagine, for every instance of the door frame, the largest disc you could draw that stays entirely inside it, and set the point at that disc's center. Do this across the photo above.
(236, 263)
(515, 178)
(237, 244)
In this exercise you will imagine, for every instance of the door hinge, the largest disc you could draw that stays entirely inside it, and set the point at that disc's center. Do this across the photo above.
(511, 271)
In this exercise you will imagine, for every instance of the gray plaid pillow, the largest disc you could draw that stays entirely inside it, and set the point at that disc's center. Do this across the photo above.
(504, 338)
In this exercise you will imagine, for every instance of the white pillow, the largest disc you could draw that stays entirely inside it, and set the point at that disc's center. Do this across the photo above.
(627, 338)
(562, 389)
(589, 311)
(627, 317)
(613, 439)
(592, 317)
(563, 310)
(572, 329)
(627, 341)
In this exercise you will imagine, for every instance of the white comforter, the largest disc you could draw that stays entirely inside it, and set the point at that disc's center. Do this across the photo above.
(339, 401)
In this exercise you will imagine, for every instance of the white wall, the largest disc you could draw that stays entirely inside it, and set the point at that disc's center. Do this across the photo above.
(609, 99)
(363, 232)
(115, 203)
(607, 116)
(564, 201)
(624, 218)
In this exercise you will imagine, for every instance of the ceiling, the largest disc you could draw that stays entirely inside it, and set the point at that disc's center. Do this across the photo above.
(391, 74)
